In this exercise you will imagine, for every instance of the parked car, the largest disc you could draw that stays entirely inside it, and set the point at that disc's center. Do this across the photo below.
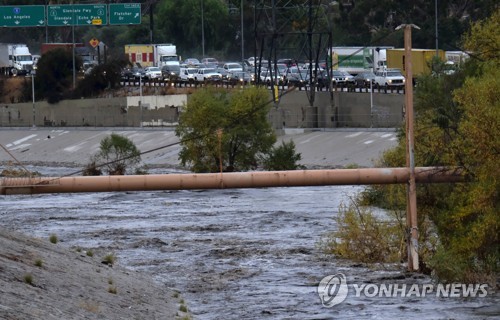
(389, 78)
(363, 79)
(170, 72)
(152, 73)
(207, 74)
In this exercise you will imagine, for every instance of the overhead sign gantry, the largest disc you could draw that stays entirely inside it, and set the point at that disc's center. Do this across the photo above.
(70, 15)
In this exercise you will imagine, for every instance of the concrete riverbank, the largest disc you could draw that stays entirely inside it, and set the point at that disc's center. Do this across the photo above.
(75, 146)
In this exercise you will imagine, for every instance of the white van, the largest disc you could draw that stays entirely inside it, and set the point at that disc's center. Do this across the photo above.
(187, 74)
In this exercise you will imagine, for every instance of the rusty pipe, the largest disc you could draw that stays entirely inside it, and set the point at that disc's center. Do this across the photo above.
(258, 179)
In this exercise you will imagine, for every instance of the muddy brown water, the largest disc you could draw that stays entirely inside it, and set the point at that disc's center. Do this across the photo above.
(235, 254)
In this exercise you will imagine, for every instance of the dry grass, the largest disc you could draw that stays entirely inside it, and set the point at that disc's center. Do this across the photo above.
(90, 306)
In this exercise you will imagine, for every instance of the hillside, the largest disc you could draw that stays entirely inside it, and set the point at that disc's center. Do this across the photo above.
(42, 280)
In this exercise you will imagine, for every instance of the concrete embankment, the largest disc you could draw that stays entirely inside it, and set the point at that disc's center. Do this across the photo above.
(75, 146)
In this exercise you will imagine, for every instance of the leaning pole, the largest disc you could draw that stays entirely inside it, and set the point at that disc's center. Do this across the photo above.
(258, 179)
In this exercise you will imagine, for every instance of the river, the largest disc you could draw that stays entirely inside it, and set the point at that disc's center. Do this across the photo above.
(234, 254)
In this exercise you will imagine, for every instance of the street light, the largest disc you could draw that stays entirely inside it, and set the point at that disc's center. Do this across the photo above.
(33, 95)
(242, 41)
(140, 97)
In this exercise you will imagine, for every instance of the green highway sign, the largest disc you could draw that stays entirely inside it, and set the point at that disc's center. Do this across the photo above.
(77, 15)
(22, 16)
(125, 13)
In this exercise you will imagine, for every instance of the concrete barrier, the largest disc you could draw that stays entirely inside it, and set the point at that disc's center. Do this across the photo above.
(294, 110)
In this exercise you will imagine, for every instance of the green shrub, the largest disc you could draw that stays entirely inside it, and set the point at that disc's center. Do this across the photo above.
(53, 238)
(28, 278)
(282, 158)
(109, 259)
(363, 237)
(38, 262)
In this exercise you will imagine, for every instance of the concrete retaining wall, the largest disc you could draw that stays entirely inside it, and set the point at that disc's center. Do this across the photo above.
(340, 109)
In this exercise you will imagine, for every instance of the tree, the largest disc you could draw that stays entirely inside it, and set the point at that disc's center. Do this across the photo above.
(229, 128)
(179, 22)
(101, 77)
(116, 154)
(458, 124)
(282, 157)
(54, 75)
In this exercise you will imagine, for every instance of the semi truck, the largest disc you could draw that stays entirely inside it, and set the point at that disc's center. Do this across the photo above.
(355, 60)
(152, 55)
(163, 56)
(420, 60)
(15, 59)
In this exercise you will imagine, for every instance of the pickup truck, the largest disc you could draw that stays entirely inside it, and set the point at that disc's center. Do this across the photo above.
(389, 78)
(207, 75)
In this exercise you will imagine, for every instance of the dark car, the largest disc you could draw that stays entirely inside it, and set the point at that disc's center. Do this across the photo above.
(363, 79)
(288, 62)
(297, 77)
(133, 73)
(239, 78)
(171, 73)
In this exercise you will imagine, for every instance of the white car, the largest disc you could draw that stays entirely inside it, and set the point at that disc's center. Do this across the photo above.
(231, 67)
(389, 78)
(152, 73)
(207, 74)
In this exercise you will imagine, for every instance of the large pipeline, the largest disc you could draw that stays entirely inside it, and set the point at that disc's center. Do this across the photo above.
(259, 179)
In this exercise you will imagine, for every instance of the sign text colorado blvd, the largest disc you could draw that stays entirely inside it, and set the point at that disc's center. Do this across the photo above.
(22, 16)
(77, 15)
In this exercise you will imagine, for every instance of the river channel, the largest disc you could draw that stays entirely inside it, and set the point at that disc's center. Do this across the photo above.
(234, 254)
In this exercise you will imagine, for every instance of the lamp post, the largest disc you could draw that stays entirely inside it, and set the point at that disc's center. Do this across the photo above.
(33, 96)
(242, 40)
(140, 98)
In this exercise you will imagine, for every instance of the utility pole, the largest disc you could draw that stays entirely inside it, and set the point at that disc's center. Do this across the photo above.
(436, 26)
(411, 203)
(202, 31)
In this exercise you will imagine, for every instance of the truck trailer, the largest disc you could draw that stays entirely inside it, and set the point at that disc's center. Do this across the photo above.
(355, 60)
(15, 59)
(420, 58)
(152, 55)
(163, 56)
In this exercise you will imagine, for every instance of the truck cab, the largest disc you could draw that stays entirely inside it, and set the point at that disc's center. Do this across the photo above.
(15, 59)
